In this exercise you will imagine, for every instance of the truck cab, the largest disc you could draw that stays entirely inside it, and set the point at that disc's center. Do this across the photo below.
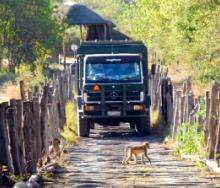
(112, 85)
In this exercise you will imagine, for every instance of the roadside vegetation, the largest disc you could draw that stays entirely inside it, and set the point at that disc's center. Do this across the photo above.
(190, 138)
(69, 133)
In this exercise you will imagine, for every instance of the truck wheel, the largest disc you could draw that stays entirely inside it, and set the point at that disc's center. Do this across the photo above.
(143, 125)
(92, 125)
(83, 127)
(132, 126)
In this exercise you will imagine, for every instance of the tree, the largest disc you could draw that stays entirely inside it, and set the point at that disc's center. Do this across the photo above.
(180, 31)
(27, 26)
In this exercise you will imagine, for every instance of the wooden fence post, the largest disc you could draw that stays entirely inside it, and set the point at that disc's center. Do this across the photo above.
(157, 92)
(37, 120)
(61, 101)
(177, 113)
(28, 138)
(44, 119)
(164, 91)
(13, 133)
(213, 120)
(207, 110)
(34, 129)
(169, 101)
(217, 146)
(5, 156)
(22, 90)
(21, 146)
(55, 114)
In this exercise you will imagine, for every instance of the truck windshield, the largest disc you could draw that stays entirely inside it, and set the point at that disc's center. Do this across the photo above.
(113, 71)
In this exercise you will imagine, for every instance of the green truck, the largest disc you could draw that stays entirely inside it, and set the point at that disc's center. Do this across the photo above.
(112, 85)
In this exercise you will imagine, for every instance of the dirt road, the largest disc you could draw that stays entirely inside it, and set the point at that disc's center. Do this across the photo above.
(96, 162)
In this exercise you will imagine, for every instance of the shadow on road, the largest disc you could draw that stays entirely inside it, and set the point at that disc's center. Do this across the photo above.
(118, 133)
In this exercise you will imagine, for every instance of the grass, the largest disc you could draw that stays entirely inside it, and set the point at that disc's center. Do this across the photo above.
(69, 132)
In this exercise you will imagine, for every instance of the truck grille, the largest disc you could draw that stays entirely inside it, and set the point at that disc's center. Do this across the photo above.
(113, 96)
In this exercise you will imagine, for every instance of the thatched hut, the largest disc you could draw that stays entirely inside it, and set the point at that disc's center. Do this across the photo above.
(97, 27)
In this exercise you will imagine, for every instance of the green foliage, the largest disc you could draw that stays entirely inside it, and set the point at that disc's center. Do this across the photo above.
(202, 110)
(189, 140)
(180, 31)
(69, 133)
(32, 74)
(28, 27)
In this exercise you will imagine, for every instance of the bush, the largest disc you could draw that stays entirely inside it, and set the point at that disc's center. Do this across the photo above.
(189, 140)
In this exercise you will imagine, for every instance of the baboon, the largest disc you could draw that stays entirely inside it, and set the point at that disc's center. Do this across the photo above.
(134, 151)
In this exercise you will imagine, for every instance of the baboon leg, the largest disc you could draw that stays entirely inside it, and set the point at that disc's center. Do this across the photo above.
(142, 158)
(129, 156)
(135, 158)
(123, 160)
(147, 157)
(126, 154)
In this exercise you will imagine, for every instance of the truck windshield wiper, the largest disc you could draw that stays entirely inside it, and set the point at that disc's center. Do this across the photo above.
(106, 79)
(130, 78)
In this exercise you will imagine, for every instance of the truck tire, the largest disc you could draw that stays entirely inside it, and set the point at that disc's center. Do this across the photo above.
(143, 125)
(83, 126)
(132, 126)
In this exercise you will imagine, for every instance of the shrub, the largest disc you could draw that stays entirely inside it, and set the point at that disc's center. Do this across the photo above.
(189, 140)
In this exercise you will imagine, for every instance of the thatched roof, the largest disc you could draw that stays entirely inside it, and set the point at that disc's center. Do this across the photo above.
(79, 14)
(116, 35)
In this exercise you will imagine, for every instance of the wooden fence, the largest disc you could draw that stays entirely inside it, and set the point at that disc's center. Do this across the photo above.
(204, 110)
(161, 92)
(27, 126)
(180, 106)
